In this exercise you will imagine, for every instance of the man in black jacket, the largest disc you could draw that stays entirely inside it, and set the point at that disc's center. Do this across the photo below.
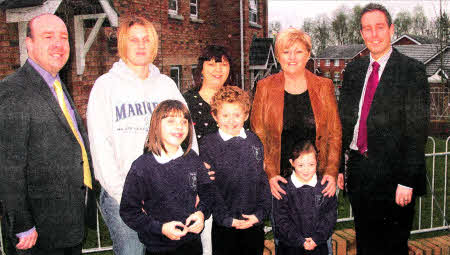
(384, 109)
(45, 170)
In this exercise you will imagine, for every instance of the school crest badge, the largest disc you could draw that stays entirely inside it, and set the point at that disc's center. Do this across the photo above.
(193, 180)
(257, 152)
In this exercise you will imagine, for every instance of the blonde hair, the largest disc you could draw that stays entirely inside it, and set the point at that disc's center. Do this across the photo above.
(289, 37)
(166, 109)
(122, 35)
(230, 94)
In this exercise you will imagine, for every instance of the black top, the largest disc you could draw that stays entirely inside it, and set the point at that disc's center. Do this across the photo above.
(201, 116)
(167, 192)
(242, 184)
(304, 212)
(298, 124)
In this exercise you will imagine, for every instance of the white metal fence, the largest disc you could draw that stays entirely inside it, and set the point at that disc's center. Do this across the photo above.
(431, 209)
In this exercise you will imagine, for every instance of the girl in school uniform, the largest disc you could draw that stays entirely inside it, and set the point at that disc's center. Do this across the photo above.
(304, 218)
(160, 191)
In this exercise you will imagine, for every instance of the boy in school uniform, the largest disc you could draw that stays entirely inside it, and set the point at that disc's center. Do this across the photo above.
(243, 193)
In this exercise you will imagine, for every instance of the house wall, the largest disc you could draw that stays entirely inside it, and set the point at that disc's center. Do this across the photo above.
(332, 69)
(180, 42)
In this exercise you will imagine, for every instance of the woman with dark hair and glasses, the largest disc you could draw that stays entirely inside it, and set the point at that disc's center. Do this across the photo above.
(213, 72)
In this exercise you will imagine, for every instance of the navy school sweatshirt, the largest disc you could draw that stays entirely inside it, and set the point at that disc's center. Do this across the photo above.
(168, 192)
(304, 212)
(241, 184)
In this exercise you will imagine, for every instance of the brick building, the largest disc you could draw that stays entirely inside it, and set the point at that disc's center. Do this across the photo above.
(332, 60)
(184, 28)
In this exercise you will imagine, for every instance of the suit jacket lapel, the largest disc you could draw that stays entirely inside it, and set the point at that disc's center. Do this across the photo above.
(358, 85)
(44, 91)
(384, 88)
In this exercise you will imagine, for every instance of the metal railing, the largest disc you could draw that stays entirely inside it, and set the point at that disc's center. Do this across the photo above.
(431, 210)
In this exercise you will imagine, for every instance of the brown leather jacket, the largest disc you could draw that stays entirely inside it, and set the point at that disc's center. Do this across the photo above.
(267, 121)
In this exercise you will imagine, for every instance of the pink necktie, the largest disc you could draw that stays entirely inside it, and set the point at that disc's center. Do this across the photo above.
(372, 84)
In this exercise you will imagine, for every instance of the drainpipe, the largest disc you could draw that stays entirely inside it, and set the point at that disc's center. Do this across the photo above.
(242, 44)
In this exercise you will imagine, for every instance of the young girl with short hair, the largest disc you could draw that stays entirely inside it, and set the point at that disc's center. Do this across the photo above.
(159, 197)
(304, 218)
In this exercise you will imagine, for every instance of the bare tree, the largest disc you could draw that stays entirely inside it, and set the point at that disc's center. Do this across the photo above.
(402, 23)
(354, 25)
(340, 27)
(419, 21)
(322, 32)
(274, 28)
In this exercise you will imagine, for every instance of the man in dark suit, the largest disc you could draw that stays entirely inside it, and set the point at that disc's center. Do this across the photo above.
(45, 171)
(384, 109)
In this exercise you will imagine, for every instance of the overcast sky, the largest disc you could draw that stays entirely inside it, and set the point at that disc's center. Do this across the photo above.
(293, 12)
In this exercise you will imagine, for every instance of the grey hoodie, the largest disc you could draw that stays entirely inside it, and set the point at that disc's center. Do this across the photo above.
(118, 118)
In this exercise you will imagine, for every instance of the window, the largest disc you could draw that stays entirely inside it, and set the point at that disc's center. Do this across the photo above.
(175, 74)
(327, 62)
(253, 11)
(193, 70)
(173, 7)
(318, 63)
(194, 8)
(336, 62)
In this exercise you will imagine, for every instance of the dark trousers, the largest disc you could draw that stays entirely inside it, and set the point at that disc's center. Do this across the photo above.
(282, 249)
(39, 251)
(227, 241)
(193, 247)
(381, 226)
(63, 251)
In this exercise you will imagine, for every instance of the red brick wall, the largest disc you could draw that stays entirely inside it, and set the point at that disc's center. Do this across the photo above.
(331, 68)
(180, 41)
(9, 47)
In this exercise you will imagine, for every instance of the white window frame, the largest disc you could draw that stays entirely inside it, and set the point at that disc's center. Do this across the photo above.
(336, 62)
(327, 62)
(191, 4)
(172, 11)
(253, 11)
(193, 67)
(318, 63)
(178, 69)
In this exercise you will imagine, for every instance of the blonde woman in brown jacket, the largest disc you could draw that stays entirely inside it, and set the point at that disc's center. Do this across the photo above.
(296, 104)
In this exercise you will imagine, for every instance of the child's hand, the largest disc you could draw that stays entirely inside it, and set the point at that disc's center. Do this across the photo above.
(237, 223)
(309, 244)
(210, 173)
(197, 219)
(249, 221)
(172, 230)
(197, 200)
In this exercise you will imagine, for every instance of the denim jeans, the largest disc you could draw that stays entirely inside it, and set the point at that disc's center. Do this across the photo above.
(125, 240)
